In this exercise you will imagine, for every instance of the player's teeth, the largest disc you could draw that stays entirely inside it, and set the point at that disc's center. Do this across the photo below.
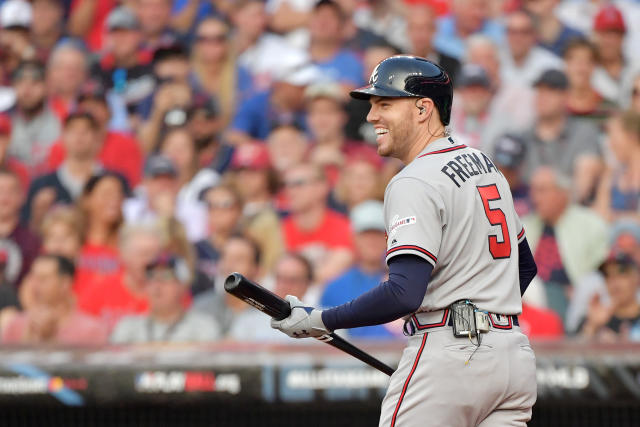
(381, 131)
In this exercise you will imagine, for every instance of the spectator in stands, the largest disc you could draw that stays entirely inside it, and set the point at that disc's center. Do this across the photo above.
(523, 62)
(256, 183)
(568, 241)
(119, 151)
(242, 255)
(288, 146)
(322, 235)
(101, 205)
(65, 184)
(421, 28)
(583, 100)
(619, 319)
(67, 71)
(326, 47)
(569, 145)
(52, 316)
(48, 26)
(613, 69)
(483, 52)
(224, 206)
(326, 118)
(8, 161)
(18, 244)
(367, 220)
(508, 154)
(16, 17)
(356, 38)
(385, 18)
(205, 127)
(259, 51)
(360, 180)
(283, 104)
(34, 126)
(167, 284)
(156, 199)
(155, 23)
(215, 71)
(125, 67)
(62, 232)
(178, 145)
(124, 293)
(619, 188)
(293, 275)
(467, 17)
(551, 33)
(471, 120)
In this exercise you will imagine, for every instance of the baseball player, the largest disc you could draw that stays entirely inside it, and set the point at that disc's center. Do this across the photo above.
(458, 264)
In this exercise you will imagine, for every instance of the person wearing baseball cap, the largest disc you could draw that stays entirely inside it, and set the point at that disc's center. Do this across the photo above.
(619, 318)
(126, 66)
(369, 236)
(35, 127)
(158, 198)
(609, 33)
(16, 17)
(509, 153)
(256, 181)
(168, 278)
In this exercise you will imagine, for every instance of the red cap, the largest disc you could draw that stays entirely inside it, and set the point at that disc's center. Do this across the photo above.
(253, 155)
(609, 18)
(5, 124)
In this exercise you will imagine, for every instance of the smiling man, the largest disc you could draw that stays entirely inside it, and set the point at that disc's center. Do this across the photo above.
(458, 265)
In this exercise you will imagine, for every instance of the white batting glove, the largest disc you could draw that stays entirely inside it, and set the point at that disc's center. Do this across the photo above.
(303, 321)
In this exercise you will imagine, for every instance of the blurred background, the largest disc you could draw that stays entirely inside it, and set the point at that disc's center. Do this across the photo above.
(148, 148)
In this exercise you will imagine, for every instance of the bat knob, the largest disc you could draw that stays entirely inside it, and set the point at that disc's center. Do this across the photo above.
(232, 281)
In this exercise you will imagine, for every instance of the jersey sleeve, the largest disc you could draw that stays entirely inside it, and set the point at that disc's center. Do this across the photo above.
(414, 217)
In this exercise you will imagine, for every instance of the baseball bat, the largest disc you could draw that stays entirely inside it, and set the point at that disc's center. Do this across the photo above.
(278, 308)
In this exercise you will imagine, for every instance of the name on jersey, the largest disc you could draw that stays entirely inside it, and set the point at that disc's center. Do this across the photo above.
(465, 166)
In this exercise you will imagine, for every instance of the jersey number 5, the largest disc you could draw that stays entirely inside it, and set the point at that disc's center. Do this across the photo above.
(495, 216)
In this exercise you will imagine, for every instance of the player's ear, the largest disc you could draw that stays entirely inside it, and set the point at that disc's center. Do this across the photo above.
(425, 108)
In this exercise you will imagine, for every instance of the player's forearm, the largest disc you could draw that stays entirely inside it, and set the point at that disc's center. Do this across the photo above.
(527, 265)
(402, 294)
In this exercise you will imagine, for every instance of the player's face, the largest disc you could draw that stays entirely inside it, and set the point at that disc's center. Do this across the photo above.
(391, 119)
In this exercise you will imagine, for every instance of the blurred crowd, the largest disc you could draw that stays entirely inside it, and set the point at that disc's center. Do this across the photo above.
(148, 148)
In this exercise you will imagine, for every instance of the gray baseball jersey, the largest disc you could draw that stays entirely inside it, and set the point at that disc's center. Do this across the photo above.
(453, 207)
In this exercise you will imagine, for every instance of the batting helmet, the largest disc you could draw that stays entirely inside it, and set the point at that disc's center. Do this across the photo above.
(410, 76)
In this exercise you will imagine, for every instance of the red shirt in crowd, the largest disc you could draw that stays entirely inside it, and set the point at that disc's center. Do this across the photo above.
(110, 299)
(120, 152)
(333, 232)
(538, 322)
(95, 263)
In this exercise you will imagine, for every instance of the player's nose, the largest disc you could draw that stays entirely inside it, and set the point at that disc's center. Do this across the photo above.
(372, 116)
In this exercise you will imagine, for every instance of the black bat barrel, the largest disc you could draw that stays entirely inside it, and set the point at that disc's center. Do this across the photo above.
(257, 296)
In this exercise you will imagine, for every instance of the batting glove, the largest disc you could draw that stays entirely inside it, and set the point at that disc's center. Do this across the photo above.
(303, 321)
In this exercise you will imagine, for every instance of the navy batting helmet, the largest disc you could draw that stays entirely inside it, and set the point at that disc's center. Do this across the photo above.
(410, 76)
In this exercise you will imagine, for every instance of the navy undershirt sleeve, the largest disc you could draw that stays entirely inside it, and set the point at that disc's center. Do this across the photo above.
(402, 294)
(527, 265)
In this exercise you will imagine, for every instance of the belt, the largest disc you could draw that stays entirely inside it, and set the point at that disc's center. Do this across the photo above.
(426, 320)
